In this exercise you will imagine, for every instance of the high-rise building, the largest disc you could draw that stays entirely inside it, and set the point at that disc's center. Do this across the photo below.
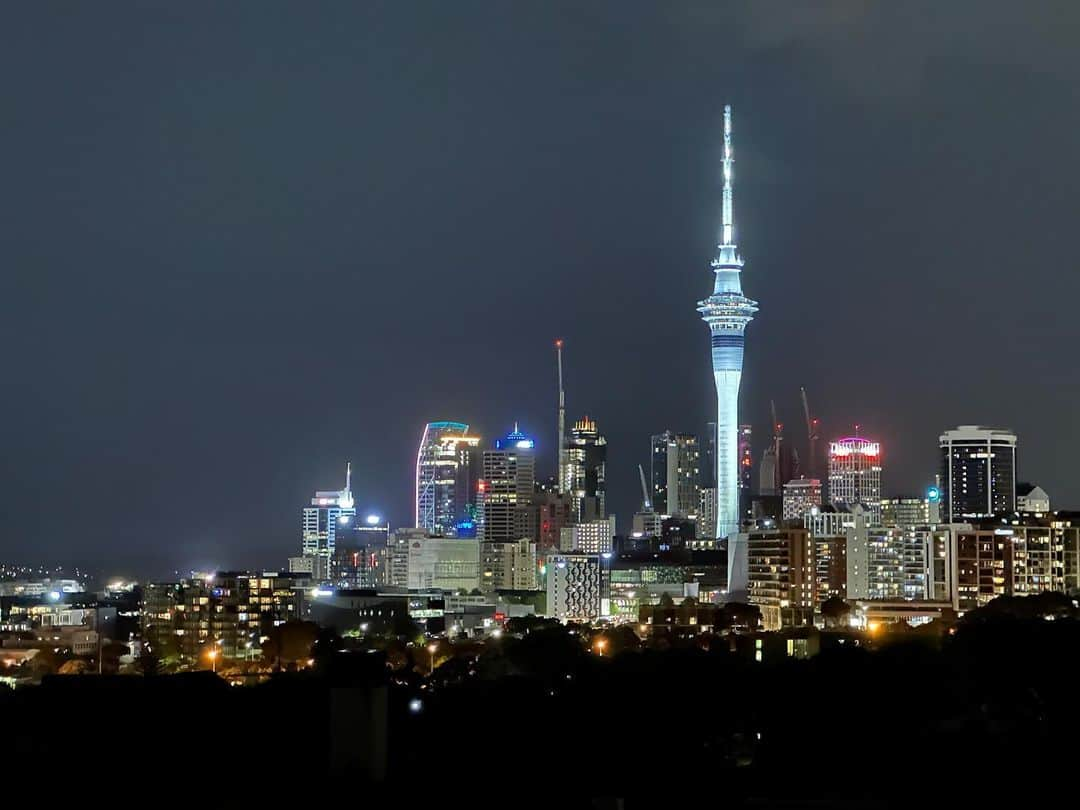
(676, 463)
(800, 496)
(447, 473)
(329, 510)
(549, 512)
(708, 455)
(855, 474)
(875, 562)
(978, 472)
(506, 489)
(360, 553)
(706, 516)
(727, 312)
(781, 577)
(779, 464)
(586, 471)
(746, 471)
(830, 567)
(828, 521)
(594, 537)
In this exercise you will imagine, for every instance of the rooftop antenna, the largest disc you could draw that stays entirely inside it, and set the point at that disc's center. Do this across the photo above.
(729, 160)
(811, 435)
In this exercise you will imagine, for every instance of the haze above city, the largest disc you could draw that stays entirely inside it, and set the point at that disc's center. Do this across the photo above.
(237, 253)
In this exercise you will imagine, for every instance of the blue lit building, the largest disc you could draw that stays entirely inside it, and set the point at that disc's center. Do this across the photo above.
(507, 484)
(447, 475)
(727, 312)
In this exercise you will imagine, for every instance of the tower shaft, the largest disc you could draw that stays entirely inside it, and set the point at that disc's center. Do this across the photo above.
(727, 312)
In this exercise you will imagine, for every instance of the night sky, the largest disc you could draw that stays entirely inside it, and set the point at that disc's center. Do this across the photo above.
(244, 243)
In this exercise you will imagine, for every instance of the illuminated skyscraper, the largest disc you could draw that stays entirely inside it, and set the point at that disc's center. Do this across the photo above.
(447, 474)
(978, 472)
(727, 312)
(329, 511)
(586, 466)
(506, 489)
(676, 462)
(855, 475)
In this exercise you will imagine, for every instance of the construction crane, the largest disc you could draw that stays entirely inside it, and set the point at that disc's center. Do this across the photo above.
(644, 490)
(811, 436)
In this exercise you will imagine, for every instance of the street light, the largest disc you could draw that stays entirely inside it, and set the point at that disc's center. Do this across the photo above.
(213, 659)
(431, 649)
(600, 644)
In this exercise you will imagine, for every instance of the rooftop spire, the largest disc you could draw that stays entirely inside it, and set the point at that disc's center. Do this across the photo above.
(561, 451)
(728, 235)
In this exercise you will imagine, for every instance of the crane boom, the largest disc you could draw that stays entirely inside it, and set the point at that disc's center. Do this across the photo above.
(806, 411)
(644, 490)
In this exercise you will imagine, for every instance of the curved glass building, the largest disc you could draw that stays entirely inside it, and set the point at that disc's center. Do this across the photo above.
(447, 475)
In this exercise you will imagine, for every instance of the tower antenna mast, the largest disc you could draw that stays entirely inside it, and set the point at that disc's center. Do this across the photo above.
(562, 423)
(727, 217)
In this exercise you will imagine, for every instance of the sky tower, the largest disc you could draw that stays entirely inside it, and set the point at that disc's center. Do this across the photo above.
(727, 312)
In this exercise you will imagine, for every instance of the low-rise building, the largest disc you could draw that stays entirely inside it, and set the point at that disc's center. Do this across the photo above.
(575, 584)
(509, 566)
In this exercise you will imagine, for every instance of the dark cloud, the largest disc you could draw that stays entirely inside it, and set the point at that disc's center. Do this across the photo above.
(243, 244)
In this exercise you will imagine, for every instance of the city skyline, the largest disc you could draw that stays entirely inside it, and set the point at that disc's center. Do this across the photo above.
(221, 283)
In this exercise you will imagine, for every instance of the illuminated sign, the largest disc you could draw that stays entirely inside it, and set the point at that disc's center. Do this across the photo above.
(847, 447)
(933, 494)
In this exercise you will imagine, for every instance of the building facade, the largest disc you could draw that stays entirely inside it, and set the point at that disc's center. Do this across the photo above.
(447, 475)
(800, 496)
(676, 470)
(855, 474)
(586, 471)
(508, 566)
(978, 472)
(1018, 559)
(594, 537)
(329, 511)
(905, 511)
(574, 586)
(781, 577)
(706, 516)
(506, 489)
(228, 611)
(444, 563)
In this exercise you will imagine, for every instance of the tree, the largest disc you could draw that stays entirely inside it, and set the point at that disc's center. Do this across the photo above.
(76, 666)
(666, 601)
(740, 615)
(290, 642)
(148, 663)
(836, 612)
